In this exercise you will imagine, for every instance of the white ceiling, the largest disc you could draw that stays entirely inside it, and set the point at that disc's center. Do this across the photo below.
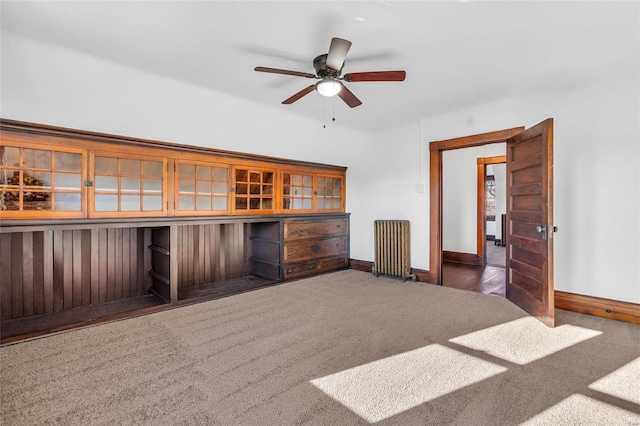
(456, 53)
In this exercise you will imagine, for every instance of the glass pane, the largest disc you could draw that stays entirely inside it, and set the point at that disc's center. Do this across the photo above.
(9, 200)
(10, 156)
(267, 203)
(36, 201)
(130, 185)
(320, 182)
(106, 203)
(242, 175)
(40, 179)
(204, 187)
(286, 190)
(106, 183)
(241, 203)
(254, 204)
(242, 188)
(152, 202)
(308, 181)
(254, 189)
(286, 203)
(220, 188)
(267, 177)
(67, 202)
(130, 203)
(187, 186)
(336, 203)
(306, 204)
(106, 166)
(329, 192)
(68, 161)
(153, 168)
(220, 174)
(187, 171)
(187, 203)
(297, 179)
(10, 177)
(152, 186)
(204, 203)
(286, 179)
(320, 192)
(254, 176)
(336, 183)
(68, 181)
(320, 204)
(129, 167)
(267, 189)
(219, 203)
(204, 172)
(297, 203)
(36, 159)
(306, 192)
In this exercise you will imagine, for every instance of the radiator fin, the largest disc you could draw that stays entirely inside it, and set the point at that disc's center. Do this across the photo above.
(392, 239)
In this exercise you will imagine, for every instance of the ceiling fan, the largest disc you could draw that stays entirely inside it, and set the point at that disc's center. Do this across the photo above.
(328, 69)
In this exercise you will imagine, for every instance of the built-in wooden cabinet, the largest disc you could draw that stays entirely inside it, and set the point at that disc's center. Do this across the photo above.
(48, 172)
(315, 245)
(95, 225)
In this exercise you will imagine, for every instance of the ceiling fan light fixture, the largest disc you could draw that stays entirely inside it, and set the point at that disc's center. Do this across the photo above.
(328, 87)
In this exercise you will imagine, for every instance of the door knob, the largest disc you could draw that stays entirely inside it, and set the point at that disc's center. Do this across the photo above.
(542, 229)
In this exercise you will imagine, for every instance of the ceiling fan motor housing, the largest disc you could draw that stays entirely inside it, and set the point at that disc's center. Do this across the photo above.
(320, 65)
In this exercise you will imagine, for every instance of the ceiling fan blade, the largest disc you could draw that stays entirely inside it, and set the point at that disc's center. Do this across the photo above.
(287, 72)
(348, 97)
(300, 94)
(337, 53)
(375, 76)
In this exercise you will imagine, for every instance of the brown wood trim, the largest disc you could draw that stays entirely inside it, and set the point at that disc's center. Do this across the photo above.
(435, 185)
(56, 131)
(599, 307)
(465, 258)
(422, 275)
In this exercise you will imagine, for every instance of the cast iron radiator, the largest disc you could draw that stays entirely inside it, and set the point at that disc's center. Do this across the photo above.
(392, 239)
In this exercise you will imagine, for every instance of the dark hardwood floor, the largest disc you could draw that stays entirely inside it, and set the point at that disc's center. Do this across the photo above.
(486, 280)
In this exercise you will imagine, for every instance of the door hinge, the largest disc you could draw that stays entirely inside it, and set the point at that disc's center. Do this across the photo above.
(88, 183)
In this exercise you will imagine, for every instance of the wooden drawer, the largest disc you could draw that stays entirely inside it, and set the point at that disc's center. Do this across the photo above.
(300, 230)
(314, 249)
(313, 267)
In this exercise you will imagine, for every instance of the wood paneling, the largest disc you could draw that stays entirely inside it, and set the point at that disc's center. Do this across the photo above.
(53, 271)
(210, 253)
(458, 257)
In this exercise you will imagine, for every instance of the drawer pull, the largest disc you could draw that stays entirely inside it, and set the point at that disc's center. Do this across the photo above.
(312, 266)
(324, 264)
(290, 270)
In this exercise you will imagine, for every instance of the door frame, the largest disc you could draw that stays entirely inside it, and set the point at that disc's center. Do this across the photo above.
(436, 148)
(482, 208)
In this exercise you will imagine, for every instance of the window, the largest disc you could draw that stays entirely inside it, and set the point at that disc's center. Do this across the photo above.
(128, 184)
(46, 180)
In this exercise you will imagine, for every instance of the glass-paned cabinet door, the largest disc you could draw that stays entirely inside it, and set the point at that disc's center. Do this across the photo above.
(202, 188)
(297, 191)
(128, 186)
(329, 193)
(39, 181)
(253, 190)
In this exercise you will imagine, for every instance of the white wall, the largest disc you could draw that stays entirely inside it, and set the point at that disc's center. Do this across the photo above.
(52, 85)
(459, 196)
(500, 174)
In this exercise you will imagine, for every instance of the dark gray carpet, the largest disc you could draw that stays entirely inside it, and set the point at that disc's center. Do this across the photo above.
(341, 348)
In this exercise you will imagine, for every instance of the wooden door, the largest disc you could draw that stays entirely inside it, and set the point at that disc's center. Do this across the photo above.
(530, 221)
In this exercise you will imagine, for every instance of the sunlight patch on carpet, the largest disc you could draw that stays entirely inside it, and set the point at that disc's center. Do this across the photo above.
(524, 340)
(383, 388)
(582, 410)
(623, 383)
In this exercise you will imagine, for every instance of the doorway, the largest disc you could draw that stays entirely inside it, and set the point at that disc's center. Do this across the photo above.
(529, 213)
